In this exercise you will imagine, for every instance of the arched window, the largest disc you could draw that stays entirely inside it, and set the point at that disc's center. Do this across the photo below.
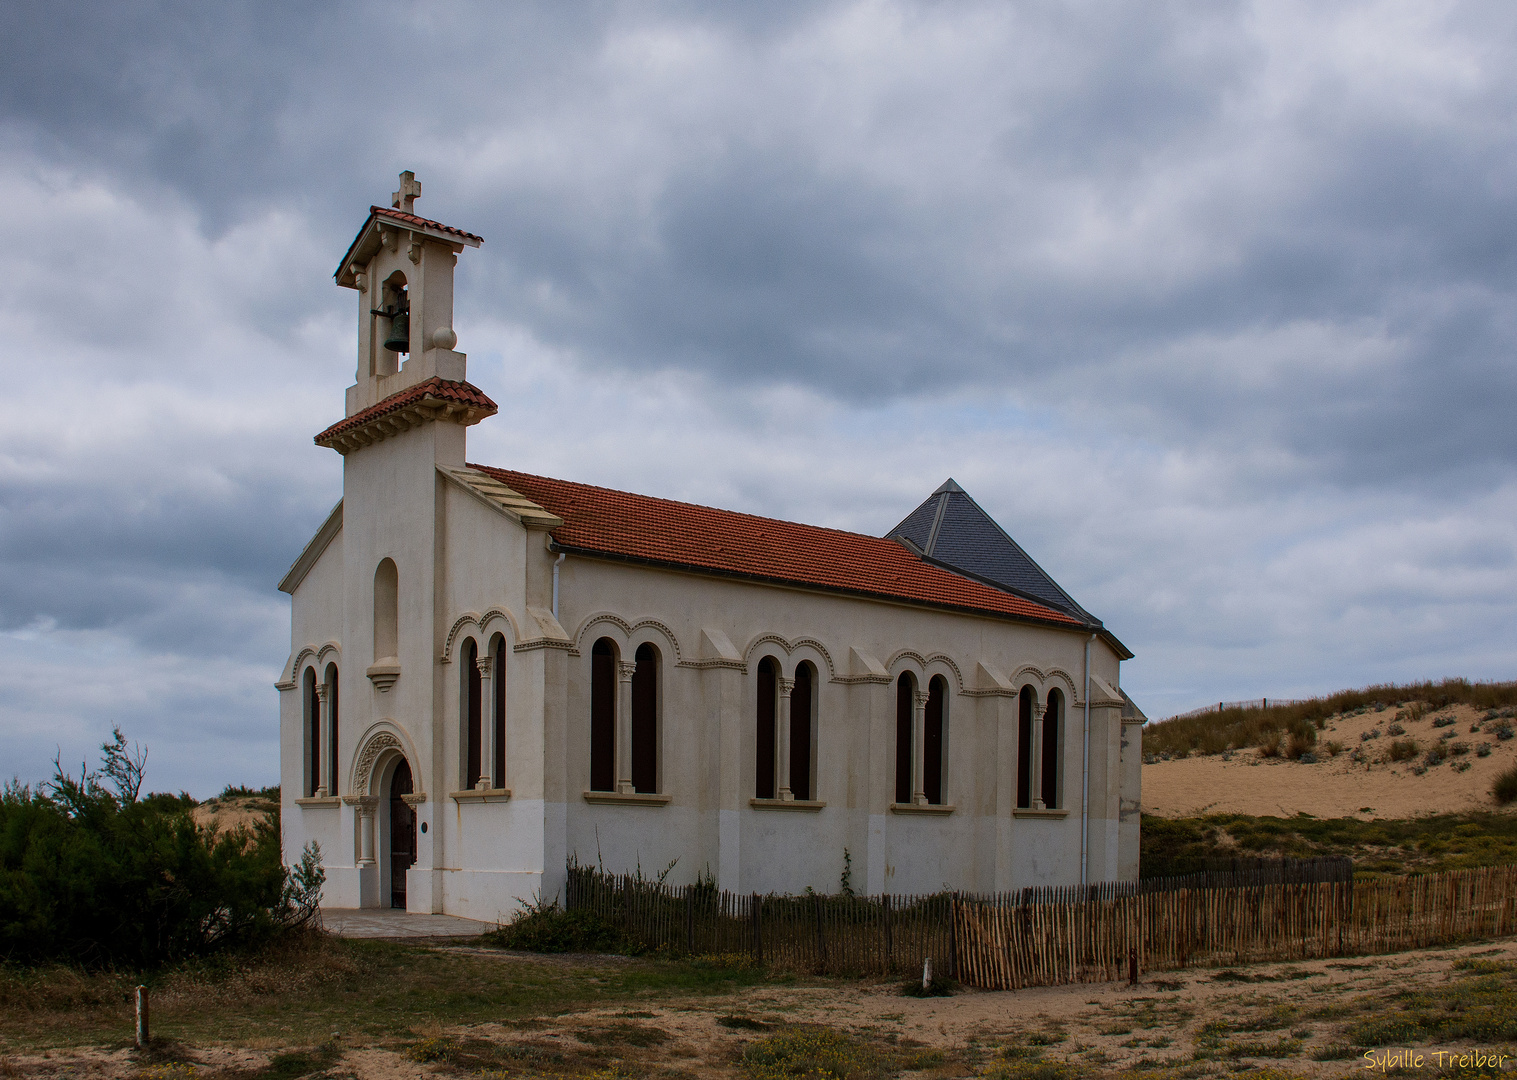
(905, 703)
(331, 680)
(1050, 791)
(801, 697)
(473, 705)
(498, 710)
(764, 780)
(603, 716)
(935, 740)
(645, 721)
(312, 779)
(386, 611)
(1024, 748)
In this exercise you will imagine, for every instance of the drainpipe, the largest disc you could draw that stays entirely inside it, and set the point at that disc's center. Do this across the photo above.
(1085, 778)
(562, 555)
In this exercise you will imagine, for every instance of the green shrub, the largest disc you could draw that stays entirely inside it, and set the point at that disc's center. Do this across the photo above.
(544, 927)
(95, 876)
(1504, 789)
(941, 986)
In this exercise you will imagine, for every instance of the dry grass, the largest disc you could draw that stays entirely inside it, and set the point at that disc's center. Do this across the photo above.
(1291, 730)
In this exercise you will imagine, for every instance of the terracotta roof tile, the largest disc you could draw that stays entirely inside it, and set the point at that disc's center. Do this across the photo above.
(458, 393)
(420, 222)
(619, 524)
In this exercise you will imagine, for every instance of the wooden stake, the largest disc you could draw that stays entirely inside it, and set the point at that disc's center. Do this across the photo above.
(143, 1036)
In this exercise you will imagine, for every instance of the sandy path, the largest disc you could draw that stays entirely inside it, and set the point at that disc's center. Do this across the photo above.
(1336, 787)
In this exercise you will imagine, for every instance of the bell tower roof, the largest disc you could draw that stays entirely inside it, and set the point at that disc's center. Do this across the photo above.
(370, 239)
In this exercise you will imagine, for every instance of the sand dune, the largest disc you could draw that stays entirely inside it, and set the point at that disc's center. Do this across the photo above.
(1338, 786)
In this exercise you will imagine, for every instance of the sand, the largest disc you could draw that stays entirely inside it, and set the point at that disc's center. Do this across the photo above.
(223, 815)
(1337, 786)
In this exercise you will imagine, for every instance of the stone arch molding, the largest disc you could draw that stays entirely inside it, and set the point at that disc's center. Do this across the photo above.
(381, 738)
(482, 622)
(789, 648)
(318, 651)
(629, 631)
(1044, 680)
(923, 663)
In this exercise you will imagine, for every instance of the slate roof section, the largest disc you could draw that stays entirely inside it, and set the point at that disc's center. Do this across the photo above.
(433, 391)
(617, 524)
(951, 528)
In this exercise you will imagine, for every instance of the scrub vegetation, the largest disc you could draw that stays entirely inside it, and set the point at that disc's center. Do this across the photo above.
(94, 874)
(1290, 730)
(1381, 847)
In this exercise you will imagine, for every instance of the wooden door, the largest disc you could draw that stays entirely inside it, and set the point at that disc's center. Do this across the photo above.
(402, 834)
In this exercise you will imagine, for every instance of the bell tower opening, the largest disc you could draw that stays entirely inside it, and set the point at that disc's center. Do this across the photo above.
(394, 313)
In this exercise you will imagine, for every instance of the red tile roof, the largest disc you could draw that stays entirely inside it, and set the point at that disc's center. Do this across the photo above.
(435, 389)
(420, 222)
(618, 524)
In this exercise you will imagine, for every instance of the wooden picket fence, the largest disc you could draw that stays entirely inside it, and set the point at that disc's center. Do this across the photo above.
(1005, 948)
(1049, 929)
(1045, 937)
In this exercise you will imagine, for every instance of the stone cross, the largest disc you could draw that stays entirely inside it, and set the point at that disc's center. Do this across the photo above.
(410, 191)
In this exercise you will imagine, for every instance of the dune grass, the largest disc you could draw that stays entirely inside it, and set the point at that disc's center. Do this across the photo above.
(1379, 848)
(1291, 730)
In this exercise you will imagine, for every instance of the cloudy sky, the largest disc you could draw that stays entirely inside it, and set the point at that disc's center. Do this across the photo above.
(1210, 304)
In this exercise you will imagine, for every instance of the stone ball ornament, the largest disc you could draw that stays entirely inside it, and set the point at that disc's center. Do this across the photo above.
(444, 338)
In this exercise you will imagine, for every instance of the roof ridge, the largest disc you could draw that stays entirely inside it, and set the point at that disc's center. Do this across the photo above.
(1023, 551)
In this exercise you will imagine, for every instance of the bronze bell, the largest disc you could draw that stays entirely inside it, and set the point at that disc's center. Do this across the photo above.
(399, 338)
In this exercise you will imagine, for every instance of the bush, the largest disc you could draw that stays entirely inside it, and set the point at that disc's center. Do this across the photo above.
(1402, 750)
(544, 927)
(941, 986)
(95, 876)
(1504, 789)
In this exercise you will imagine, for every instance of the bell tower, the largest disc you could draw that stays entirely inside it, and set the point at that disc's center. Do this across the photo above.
(401, 266)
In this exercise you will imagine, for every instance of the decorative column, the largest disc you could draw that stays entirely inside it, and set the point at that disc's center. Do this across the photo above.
(366, 807)
(1037, 753)
(486, 779)
(324, 768)
(918, 733)
(624, 670)
(782, 739)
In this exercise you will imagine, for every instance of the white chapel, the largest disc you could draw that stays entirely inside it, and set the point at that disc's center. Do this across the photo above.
(493, 673)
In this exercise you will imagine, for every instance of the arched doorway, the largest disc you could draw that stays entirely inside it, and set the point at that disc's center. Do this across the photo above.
(402, 832)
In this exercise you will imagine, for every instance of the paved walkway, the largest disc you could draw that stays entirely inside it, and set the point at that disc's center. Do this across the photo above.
(390, 923)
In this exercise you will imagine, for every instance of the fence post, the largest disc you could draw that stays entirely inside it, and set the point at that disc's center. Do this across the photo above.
(821, 940)
(889, 943)
(1132, 967)
(953, 936)
(143, 1034)
(690, 920)
(758, 930)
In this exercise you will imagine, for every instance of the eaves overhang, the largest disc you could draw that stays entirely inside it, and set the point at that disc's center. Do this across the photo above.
(313, 551)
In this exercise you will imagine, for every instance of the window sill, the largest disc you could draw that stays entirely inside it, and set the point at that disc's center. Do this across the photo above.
(1023, 811)
(630, 798)
(480, 795)
(922, 808)
(810, 806)
(316, 801)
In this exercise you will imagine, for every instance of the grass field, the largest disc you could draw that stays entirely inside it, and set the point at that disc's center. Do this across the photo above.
(337, 1009)
(1380, 847)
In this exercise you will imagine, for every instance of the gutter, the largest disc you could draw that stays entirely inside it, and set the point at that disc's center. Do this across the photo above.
(1085, 778)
